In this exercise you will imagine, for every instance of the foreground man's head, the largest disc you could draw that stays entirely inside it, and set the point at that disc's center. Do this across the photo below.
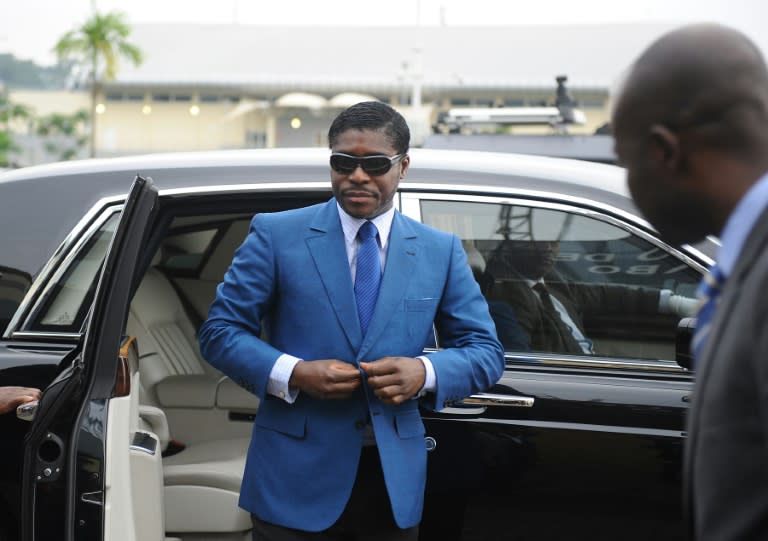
(691, 127)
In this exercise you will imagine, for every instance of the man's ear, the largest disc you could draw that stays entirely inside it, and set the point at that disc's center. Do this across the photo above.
(404, 164)
(665, 147)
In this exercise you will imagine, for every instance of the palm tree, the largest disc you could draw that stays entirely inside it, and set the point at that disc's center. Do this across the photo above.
(97, 46)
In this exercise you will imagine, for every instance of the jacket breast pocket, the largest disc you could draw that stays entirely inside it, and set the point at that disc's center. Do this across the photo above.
(427, 304)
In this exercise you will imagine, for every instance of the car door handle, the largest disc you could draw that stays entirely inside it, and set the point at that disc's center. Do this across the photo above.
(27, 411)
(491, 399)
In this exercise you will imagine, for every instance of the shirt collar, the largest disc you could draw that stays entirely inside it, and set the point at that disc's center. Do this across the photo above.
(740, 224)
(350, 225)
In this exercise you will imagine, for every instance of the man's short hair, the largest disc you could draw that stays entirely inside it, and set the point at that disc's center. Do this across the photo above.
(705, 79)
(373, 115)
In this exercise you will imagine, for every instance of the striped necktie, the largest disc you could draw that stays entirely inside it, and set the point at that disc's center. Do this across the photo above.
(367, 274)
(709, 294)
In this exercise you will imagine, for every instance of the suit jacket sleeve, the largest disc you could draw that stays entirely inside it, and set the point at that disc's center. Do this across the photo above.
(472, 358)
(611, 298)
(230, 338)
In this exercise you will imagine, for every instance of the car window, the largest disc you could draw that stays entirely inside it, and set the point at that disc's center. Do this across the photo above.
(13, 286)
(191, 240)
(561, 281)
(186, 251)
(66, 304)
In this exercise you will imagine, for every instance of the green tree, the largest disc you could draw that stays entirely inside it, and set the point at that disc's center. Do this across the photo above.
(18, 73)
(97, 47)
(9, 113)
(62, 133)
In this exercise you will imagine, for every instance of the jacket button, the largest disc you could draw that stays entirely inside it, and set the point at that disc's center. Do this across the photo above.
(359, 425)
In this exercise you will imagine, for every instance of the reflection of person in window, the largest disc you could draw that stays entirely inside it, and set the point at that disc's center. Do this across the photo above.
(508, 329)
(551, 309)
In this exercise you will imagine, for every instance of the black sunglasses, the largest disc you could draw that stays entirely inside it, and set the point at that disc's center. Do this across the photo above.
(373, 165)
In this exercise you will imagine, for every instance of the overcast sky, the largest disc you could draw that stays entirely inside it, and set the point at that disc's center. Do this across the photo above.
(29, 28)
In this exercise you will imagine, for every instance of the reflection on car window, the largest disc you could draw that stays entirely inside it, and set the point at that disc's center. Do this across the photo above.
(13, 286)
(562, 282)
(68, 302)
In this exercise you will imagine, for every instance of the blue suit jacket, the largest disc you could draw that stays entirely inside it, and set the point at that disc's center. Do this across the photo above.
(290, 283)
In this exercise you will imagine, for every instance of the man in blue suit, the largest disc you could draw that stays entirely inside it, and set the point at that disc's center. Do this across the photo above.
(327, 328)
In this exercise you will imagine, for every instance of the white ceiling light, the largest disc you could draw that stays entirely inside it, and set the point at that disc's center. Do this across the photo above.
(301, 100)
(348, 99)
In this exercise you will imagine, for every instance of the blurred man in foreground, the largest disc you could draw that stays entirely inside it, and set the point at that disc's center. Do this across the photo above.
(691, 126)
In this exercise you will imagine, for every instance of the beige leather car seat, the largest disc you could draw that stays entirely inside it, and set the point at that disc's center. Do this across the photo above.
(202, 482)
(166, 335)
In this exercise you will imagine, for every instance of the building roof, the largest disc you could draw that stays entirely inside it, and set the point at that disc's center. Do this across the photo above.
(384, 59)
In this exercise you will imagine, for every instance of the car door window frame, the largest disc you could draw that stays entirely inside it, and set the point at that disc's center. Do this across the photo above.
(65, 256)
(410, 204)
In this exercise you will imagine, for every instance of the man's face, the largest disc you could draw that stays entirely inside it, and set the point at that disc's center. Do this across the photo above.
(360, 194)
(532, 259)
(662, 192)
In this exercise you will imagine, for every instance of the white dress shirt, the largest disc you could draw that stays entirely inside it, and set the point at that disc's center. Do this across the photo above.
(283, 368)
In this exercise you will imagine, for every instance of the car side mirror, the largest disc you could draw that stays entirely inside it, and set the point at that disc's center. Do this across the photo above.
(683, 338)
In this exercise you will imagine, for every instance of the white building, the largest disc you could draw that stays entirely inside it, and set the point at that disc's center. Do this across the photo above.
(242, 86)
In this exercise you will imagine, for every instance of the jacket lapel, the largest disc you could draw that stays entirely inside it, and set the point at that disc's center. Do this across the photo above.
(402, 255)
(325, 241)
(753, 248)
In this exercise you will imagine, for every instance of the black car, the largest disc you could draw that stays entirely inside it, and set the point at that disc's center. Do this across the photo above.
(137, 438)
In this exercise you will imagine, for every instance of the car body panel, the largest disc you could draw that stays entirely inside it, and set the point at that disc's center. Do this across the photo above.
(568, 452)
(80, 185)
(63, 490)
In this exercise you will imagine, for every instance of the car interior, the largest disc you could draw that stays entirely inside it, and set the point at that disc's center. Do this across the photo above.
(201, 418)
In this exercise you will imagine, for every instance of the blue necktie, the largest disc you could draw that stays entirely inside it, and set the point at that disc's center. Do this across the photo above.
(709, 294)
(367, 274)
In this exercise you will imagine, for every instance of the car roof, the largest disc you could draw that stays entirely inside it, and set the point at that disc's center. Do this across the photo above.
(266, 162)
(41, 204)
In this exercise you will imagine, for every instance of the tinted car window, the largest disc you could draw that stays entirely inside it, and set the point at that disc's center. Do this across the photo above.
(64, 307)
(558, 281)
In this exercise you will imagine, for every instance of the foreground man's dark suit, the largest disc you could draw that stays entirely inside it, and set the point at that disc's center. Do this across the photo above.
(726, 456)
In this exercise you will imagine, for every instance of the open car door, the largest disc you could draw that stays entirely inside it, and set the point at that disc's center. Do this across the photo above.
(83, 437)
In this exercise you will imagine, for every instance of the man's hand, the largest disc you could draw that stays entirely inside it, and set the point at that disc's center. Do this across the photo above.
(395, 379)
(10, 397)
(326, 378)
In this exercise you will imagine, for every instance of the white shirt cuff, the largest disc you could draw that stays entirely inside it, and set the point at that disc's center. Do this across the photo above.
(280, 376)
(664, 296)
(430, 380)
(678, 305)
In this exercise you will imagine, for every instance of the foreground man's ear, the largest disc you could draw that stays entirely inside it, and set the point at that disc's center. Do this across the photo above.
(665, 147)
